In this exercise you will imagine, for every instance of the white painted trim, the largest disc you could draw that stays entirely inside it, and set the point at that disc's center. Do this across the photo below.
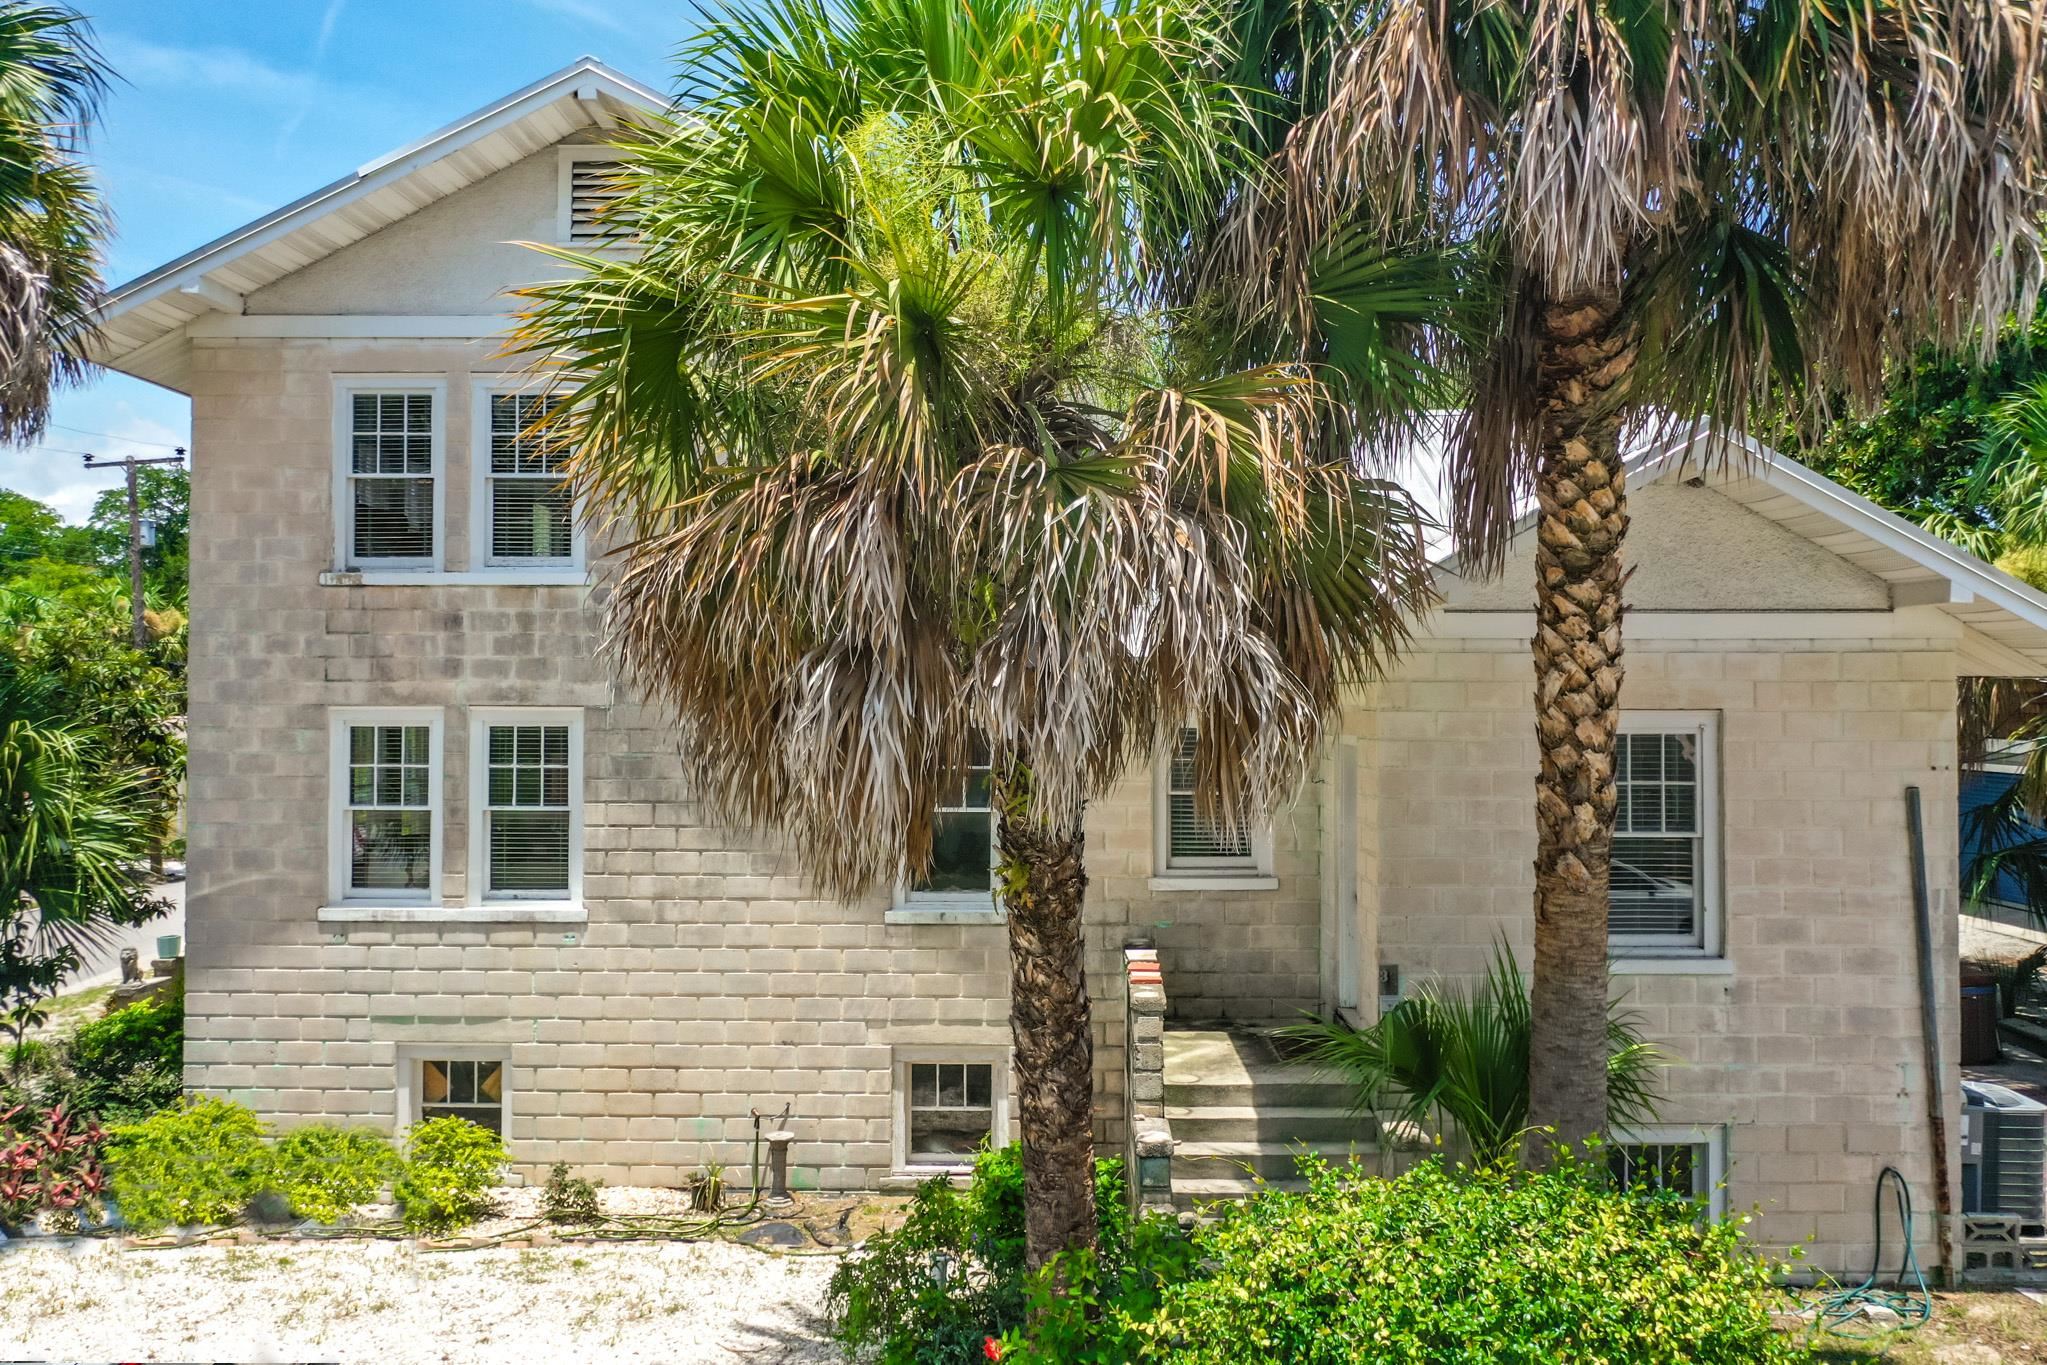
(1624, 964)
(454, 917)
(345, 388)
(1712, 1136)
(350, 326)
(407, 1091)
(1712, 895)
(1644, 625)
(979, 1054)
(1251, 873)
(472, 578)
(339, 720)
(481, 391)
(481, 718)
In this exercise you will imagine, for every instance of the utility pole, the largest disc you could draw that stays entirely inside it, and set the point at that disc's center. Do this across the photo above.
(131, 464)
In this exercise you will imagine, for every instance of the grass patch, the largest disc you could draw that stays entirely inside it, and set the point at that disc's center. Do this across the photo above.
(1966, 1329)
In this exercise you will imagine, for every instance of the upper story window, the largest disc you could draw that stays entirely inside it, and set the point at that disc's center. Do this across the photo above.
(1665, 881)
(526, 805)
(962, 841)
(590, 190)
(1189, 843)
(388, 466)
(386, 834)
(523, 513)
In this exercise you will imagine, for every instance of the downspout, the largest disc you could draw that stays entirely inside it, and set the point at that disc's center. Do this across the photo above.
(1929, 1018)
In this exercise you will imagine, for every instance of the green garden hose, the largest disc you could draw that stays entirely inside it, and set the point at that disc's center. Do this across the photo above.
(1913, 1305)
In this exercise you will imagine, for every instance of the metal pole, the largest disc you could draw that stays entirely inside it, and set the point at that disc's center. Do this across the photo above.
(1937, 1097)
(141, 627)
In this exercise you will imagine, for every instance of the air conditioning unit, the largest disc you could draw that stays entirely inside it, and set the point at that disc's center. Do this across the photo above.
(2005, 1139)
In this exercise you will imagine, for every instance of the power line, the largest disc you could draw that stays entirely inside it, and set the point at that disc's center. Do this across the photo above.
(109, 436)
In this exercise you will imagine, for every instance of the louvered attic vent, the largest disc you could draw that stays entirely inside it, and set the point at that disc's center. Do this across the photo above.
(590, 188)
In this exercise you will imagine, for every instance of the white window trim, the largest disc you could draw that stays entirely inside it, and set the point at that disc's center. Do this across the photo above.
(339, 721)
(407, 1089)
(1647, 957)
(1254, 873)
(480, 721)
(951, 907)
(563, 228)
(346, 386)
(1712, 1136)
(573, 568)
(976, 1054)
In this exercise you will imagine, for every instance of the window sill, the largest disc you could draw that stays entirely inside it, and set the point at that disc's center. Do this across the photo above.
(1224, 881)
(1670, 965)
(943, 914)
(527, 912)
(431, 578)
(907, 1179)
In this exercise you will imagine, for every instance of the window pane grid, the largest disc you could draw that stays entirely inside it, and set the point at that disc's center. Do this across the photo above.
(390, 820)
(531, 507)
(963, 838)
(391, 476)
(527, 816)
(951, 1111)
(1657, 880)
(1680, 1167)
(463, 1089)
(1194, 841)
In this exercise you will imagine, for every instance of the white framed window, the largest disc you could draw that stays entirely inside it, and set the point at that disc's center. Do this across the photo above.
(522, 512)
(1189, 847)
(1664, 890)
(1688, 1161)
(962, 873)
(389, 454)
(437, 1080)
(589, 187)
(950, 1104)
(526, 805)
(385, 837)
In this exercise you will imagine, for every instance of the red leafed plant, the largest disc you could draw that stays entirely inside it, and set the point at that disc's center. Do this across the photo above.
(50, 1164)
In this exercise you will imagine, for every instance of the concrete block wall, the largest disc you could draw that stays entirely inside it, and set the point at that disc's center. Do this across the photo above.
(1808, 1049)
(709, 980)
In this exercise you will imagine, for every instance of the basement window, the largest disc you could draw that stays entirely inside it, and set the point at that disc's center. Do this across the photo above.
(950, 1111)
(471, 1089)
(1686, 1161)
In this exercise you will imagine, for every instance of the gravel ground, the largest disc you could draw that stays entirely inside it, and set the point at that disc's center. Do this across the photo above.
(390, 1303)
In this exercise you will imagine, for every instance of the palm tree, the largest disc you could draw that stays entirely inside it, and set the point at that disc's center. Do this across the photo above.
(74, 843)
(51, 219)
(916, 474)
(1690, 212)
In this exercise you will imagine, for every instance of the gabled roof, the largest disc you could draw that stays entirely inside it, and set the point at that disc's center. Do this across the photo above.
(1921, 569)
(144, 319)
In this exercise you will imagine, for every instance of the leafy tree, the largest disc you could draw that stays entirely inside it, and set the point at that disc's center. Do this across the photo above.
(74, 836)
(1683, 213)
(164, 493)
(31, 531)
(927, 479)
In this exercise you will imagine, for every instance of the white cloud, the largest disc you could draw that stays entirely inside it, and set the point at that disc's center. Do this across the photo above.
(328, 21)
(144, 64)
(52, 471)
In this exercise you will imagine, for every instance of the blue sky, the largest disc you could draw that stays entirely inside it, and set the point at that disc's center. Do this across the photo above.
(227, 109)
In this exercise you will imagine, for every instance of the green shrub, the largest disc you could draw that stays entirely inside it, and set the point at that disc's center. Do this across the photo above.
(128, 1065)
(325, 1171)
(952, 1276)
(569, 1200)
(1464, 1268)
(450, 1164)
(199, 1163)
(1090, 1310)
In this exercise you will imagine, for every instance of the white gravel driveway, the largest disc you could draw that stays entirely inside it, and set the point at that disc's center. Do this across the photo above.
(708, 1303)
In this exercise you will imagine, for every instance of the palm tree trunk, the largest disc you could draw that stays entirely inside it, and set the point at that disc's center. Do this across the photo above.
(1043, 882)
(1587, 350)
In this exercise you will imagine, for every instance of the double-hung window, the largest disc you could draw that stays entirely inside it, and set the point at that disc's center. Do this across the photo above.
(523, 514)
(962, 843)
(386, 834)
(1664, 893)
(388, 472)
(1190, 843)
(950, 1104)
(526, 805)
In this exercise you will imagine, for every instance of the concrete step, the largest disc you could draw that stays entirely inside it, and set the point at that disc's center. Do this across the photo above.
(1287, 1090)
(1269, 1123)
(1273, 1160)
(1189, 1195)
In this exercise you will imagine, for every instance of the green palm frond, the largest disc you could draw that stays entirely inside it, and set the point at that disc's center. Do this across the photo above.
(1459, 1057)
